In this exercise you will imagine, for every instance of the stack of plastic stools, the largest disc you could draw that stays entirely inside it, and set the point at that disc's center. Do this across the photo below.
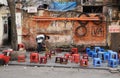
(34, 57)
(101, 55)
(113, 63)
(113, 59)
(106, 56)
(97, 62)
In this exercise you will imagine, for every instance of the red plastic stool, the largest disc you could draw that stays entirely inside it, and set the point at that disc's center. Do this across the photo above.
(63, 60)
(83, 62)
(43, 60)
(48, 55)
(75, 58)
(34, 57)
(21, 45)
(58, 59)
(67, 55)
(21, 58)
(74, 51)
(85, 56)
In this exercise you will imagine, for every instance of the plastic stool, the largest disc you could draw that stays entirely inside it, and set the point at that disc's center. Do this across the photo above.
(113, 63)
(67, 55)
(94, 55)
(113, 55)
(88, 50)
(97, 62)
(91, 53)
(21, 45)
(83, 62)
(63, 60)
(75, 58)
(106, 56)
(58, 59)
(85, 56)
(74, 51)
(34, 57)
(102, 49)
(21, 58)
(43, 60)
(101, 55)
(97, 49)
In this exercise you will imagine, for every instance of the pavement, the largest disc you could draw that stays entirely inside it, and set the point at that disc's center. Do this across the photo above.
(51, 72)
(51, 63)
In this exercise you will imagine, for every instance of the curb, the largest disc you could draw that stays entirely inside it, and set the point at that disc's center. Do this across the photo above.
(30, 65)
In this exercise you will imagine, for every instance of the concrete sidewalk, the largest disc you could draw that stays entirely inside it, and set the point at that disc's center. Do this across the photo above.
(51, 63)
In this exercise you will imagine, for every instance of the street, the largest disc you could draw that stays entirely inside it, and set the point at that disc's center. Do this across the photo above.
(50, 72)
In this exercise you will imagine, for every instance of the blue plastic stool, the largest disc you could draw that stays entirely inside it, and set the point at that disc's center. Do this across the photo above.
(102, 49)
(94, 55)
(91, 53)
(97, 62)
(106, 56)
(97, 49)
(109, 51)
(101, 55)
(113, 63)
(113, 55)
(88, 50)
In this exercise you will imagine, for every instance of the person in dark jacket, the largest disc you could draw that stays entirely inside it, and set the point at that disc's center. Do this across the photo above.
(40, 39)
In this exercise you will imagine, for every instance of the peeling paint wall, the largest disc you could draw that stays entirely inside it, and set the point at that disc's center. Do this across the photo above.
(61, 32)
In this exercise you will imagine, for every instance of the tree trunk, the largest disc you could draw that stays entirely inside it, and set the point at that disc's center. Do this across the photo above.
(11, 5)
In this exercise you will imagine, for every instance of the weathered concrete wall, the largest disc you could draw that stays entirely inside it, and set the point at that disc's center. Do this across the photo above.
(1, 29)
(61, 32)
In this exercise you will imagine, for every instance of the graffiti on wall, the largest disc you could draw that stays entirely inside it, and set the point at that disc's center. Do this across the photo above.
(97, 31)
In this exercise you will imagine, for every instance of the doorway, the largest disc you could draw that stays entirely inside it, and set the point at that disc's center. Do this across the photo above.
(6, 31)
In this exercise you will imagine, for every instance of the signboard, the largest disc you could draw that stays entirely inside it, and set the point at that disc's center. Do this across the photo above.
(18, 20)
(19, 26)
(114, 29)
(32, 9)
